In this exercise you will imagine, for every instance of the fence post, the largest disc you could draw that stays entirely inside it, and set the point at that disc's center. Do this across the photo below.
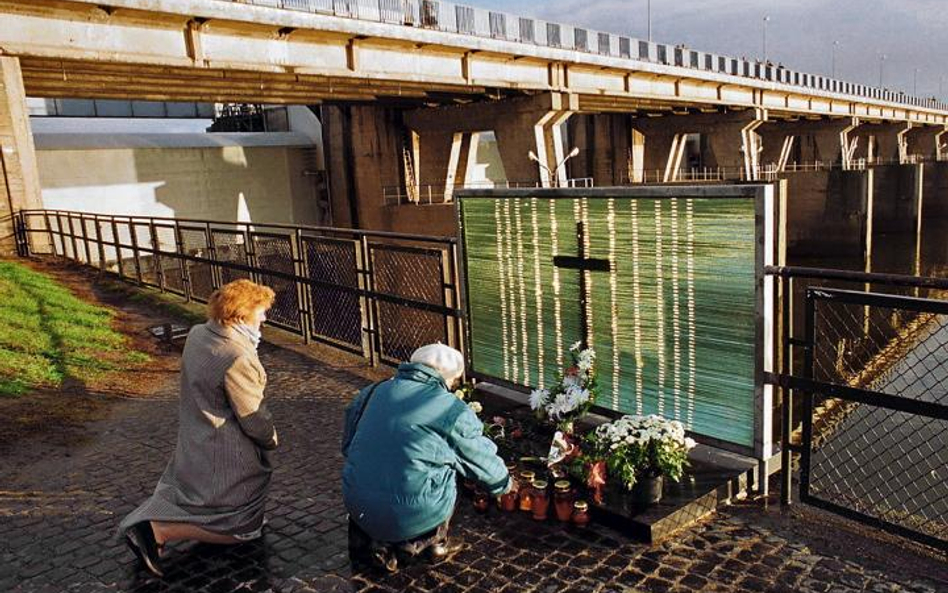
(786, 456)
(85, 238)
(156, 255)
(302, 292)
(117, 243)
(49, 231)
(808, 354)
(19, 234)
(136, 254)
(72, 238)
(185, 264)
(217, 277)
(457, 300)
(251, 257)
(100, 242)
(371, 341)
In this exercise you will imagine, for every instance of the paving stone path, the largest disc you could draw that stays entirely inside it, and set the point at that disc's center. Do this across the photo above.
(59, 507)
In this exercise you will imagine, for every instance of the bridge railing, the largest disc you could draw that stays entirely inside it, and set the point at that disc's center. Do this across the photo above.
(480, 22)
(377, 294)
(443, 193)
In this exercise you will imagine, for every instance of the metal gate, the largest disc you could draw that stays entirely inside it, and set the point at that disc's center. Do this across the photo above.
(875, 414)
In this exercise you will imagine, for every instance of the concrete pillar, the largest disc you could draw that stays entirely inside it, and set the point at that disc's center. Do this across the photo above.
(883, 143)
(729, 142)
(19, 174)
(364, 146)
(521, 126)
(605, 147)
(735, 144)
(923, 141)
(806, 141)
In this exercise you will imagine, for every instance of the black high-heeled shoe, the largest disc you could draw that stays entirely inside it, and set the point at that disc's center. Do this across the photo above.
(141, 539)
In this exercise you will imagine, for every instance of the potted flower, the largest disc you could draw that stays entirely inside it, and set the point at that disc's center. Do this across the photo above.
(573, 394)
(637, 452)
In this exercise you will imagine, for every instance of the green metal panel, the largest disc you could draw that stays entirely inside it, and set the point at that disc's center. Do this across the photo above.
(674, 324)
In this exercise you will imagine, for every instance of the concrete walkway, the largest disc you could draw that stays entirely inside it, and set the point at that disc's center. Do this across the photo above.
(59, 506)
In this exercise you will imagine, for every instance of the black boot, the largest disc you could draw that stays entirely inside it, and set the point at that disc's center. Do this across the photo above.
(141, 539)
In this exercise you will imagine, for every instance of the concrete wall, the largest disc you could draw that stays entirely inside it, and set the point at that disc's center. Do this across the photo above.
(895, 213)
(826, 218)
(225, 183)
(933, 244)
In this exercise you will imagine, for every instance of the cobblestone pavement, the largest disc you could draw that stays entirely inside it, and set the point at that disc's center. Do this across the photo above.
(59, 507)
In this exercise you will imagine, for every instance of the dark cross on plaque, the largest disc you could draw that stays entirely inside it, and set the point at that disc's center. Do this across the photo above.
(585, 265)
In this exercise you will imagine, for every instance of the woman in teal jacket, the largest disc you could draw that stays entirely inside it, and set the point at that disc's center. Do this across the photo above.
(405, 441)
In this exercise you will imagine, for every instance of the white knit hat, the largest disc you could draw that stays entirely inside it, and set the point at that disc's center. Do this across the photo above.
(444, 359)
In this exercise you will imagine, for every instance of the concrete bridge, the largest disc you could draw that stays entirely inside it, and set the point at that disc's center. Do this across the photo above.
(419, 93)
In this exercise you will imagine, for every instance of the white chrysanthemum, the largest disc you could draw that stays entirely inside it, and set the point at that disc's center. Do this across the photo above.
(561, 405)
(577, 395)
(576, 346)
(690, 443)
(476, 406)
(585, 359)
(538, 398)
(459, 394)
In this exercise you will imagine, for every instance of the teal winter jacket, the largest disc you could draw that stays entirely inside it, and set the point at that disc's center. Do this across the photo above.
(414, 437)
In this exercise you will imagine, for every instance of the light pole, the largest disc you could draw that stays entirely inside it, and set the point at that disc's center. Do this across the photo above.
(554, 180)
(915, 83)
(766, 19)
(648, 8)
(835, 45)
(881, 65)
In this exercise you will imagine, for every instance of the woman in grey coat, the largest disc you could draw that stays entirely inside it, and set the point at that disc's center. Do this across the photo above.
(215, 486)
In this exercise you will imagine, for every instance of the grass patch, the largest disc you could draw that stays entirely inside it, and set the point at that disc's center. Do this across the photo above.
(48, 335)
(165, 303)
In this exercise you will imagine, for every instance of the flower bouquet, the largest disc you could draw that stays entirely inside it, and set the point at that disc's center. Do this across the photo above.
(573, 394)
(566, 402)
(636, 450)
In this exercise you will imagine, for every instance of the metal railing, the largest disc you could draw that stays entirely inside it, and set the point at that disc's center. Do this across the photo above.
(479, 22)
(863, 403)
(442, 193)
(377, 294)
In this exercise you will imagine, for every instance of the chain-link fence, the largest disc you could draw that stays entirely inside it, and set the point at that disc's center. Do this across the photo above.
(875, 421)
(377, 294)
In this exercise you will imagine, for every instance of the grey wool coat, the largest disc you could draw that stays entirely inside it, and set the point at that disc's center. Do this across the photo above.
(219, 474)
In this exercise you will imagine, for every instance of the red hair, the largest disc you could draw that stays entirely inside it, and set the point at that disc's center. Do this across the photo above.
(236, 301)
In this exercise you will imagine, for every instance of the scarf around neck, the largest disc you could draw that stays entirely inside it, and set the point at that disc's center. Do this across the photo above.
(252, 334)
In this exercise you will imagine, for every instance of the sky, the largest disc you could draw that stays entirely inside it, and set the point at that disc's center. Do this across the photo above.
(800, 33)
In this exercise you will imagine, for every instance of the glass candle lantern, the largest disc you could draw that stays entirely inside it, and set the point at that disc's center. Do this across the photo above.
(541, 500)
(526, 494)
(563, 500)
(580, 513)
(508, 501)
(481, 501)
